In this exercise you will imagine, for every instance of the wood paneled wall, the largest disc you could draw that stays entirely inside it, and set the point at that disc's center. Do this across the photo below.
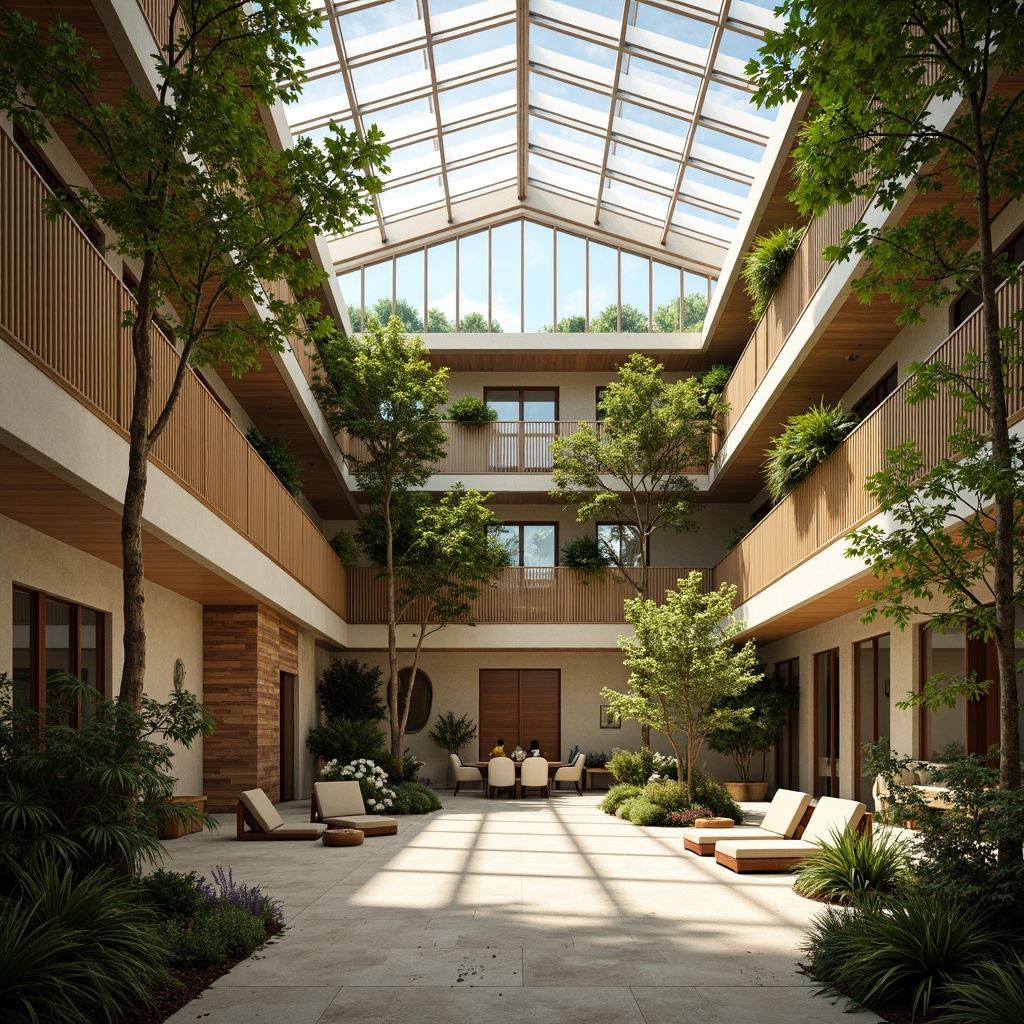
(245, 650)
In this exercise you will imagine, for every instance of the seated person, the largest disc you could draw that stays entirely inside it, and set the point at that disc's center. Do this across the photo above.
(534, 749)
(499, 749)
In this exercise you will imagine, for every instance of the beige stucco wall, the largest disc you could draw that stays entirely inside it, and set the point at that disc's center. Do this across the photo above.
(174, 625)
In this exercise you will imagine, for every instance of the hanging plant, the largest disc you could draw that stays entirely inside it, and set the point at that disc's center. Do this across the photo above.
(765, 265)
(806, 442)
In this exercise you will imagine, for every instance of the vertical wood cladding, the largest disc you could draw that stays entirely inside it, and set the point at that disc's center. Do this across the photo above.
(245, 650)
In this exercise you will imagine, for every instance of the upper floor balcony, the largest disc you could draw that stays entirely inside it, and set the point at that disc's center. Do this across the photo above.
(542, 595)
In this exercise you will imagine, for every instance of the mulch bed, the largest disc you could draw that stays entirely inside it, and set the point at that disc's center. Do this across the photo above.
(189, 982)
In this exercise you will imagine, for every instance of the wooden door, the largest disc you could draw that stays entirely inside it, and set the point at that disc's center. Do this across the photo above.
(287, 736)
(520, 705)
(983, 715)
(827, 723)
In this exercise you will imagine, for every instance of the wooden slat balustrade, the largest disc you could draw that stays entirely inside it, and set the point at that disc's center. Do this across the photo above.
(832, 501)
(801, 281)
(530, 595)
(61, 306)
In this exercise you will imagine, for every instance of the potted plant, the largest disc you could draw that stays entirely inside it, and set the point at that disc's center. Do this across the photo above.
(451, 734)
(765, 265)
(771, 699)
(584, 554)
(471, 410)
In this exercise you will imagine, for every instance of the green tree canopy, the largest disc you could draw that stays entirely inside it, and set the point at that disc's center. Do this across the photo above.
(381, 309)
(684, 667)
(881, 74)
(195, 195)
(607, 320)
(438, 323)
(476, 323)
(695, 308)
(381, 389)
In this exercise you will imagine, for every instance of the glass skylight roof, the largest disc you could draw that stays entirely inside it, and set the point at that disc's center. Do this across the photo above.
(634, 107)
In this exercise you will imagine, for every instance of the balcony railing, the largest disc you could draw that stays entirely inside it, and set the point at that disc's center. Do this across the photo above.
(803, 276)
(530, 595)
(832, 501)
(62, 306)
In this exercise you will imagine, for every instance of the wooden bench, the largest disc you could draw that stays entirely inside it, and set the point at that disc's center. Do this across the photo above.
(597, 773)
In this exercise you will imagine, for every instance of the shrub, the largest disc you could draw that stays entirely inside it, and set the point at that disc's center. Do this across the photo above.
(707, 792)
(686, 817)
(643, 812)
(994, 993)
(344, 741)
(667, 794)
(596, 759)
(350, 690)
(451, 734)
(907, 952)
(471, 410)
(806, 441)
(851, 866)
(346, 548)
(585, 554)
(175, 895)
(635, 767)
(88, 798)
(617, 795)
(277, 454)
(400, 769)
(414, 798)
(624, 809)
(76, 951)
(765, 265)
(378, 796)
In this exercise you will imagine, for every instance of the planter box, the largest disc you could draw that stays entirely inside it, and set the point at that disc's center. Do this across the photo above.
(747, 792)
(173, 828)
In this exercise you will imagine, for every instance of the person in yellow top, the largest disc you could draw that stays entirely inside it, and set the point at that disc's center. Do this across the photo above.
(499, 749)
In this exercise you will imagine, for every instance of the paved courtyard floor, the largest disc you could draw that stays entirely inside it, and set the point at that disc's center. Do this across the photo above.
(535, 911)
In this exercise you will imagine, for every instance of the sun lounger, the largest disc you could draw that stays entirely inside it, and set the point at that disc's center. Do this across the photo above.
(781, 821)
(340, 805)
(257, 818)
(831, 815)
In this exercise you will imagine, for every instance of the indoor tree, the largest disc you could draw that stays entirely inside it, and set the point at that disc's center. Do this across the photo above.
(380, 388)
(911, 96)
(684, 667)
(197, 199)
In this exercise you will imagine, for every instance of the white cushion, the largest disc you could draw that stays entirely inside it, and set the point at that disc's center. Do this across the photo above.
(360, 821)
(784, 813)
(746, 849)
(571, 772)
(338, 799)
(258, 804)
(501, 771)
(463, 772)
(711, 836)
(832, 815)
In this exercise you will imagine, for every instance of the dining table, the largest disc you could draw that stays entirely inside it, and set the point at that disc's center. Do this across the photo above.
(553, 766)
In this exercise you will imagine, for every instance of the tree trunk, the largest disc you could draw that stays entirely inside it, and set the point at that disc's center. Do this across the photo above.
(1003, 563)
(133, 574)
(389, 556)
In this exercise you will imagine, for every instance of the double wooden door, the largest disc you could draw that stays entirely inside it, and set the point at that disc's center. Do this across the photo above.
(519, 705)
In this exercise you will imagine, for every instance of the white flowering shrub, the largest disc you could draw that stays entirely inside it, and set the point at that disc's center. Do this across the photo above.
(378, 796)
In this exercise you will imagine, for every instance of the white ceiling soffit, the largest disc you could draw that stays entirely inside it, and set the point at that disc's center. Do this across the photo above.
(631, 117)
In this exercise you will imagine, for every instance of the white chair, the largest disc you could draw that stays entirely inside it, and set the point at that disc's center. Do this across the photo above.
(464, 773)
(571, 773)
(501, 774)
(534, 775)
(781, 821)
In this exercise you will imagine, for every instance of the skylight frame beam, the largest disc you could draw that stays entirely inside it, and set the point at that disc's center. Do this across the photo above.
(620, 57)
(436, 103)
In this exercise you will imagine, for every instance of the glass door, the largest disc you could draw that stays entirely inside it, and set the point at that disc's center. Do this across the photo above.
(526, 425)
(826, 723)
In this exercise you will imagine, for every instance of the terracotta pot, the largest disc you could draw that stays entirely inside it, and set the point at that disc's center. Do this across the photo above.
(747, 792)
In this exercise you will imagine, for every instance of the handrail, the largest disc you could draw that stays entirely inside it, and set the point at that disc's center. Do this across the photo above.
(832, 501)
(531, 594)
(62, 307)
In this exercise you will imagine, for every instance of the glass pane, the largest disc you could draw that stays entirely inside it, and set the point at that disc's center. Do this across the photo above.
(351, 290)
(621, 543)
(946, 655)
(409, 290)
(91, 641)
(539, 544)
(506, 402)
(506, 276)
(58, 644)
(21, 621)
(473, 273)
(538, 284)
(864, 656)
(377, 285)
(509, 537)
(695, 301)
(540, 404)
(636, 309)
(666, 282)
(441, 288)
(572, 283)
(604, 288)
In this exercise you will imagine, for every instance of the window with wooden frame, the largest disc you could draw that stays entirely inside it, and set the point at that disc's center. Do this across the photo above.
(51, 636)
(529, 544)
(874, 398)
(967, 303)
(621, 542)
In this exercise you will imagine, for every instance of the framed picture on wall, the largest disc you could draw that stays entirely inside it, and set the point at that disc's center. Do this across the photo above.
(609, 719)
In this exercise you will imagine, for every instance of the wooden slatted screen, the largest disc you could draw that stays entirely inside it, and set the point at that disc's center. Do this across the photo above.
(520, 705)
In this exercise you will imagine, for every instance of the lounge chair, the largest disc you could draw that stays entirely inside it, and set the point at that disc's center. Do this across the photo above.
(464, 773)
(340, 805)
(831, 815)
(257, 812)
(572, 772)
(781, 821)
